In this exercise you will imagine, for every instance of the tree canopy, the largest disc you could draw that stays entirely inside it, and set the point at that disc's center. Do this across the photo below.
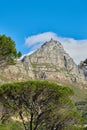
(8, 51)
(46, 106)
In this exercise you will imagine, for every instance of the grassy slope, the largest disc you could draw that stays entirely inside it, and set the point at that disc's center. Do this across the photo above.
(79, 94)
(11, 126)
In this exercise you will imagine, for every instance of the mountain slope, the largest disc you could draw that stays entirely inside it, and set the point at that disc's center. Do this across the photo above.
(49, 62)
(52, 62)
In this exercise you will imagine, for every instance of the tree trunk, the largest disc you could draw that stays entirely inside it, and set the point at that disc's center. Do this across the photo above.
(25, 127)
(31, 121)
(35, 127)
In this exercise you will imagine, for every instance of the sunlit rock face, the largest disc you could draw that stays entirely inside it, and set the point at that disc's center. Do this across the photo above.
(49, 62)
(52, 61)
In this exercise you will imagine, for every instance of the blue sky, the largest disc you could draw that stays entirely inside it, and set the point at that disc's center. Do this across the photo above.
(21, 19)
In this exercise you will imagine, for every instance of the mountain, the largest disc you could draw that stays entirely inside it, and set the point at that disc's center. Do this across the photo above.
(53, 63)
(49, 62)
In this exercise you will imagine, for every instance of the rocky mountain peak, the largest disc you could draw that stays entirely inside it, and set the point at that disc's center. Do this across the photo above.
(52, 42)
(52, 45)
(51, 52)
(50, 62)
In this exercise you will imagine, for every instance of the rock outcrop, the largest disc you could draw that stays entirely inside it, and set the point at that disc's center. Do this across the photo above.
(52, 62)
(19, 72)
(48, 62)
(83, 66)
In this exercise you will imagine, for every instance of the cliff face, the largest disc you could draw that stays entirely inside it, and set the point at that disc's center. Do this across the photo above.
(49, 62)
(13, 73)
(52, 62)
(83, 66)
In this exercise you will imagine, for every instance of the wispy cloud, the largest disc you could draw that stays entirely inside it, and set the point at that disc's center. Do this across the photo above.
(36, 41)
(77, 49)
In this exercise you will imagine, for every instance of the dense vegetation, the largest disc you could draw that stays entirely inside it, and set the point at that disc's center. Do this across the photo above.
(8, 51)
(41, 105)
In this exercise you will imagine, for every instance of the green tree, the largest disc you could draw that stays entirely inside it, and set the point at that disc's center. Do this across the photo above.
(19, 54)
(47, 106)
(8, 51)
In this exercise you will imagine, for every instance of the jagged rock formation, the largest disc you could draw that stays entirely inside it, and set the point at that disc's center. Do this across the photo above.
(83, 66)
(18, 72)
(49, 62)
(55, 63)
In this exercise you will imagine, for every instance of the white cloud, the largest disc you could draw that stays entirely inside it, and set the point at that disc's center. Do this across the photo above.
(40, 38)
(77, 49)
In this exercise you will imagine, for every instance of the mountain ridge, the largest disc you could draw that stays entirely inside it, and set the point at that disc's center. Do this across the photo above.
(52, 53)
(49, 62)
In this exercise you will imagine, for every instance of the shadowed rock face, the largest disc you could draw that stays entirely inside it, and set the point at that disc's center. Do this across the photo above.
(83, 66)
(48, 62)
